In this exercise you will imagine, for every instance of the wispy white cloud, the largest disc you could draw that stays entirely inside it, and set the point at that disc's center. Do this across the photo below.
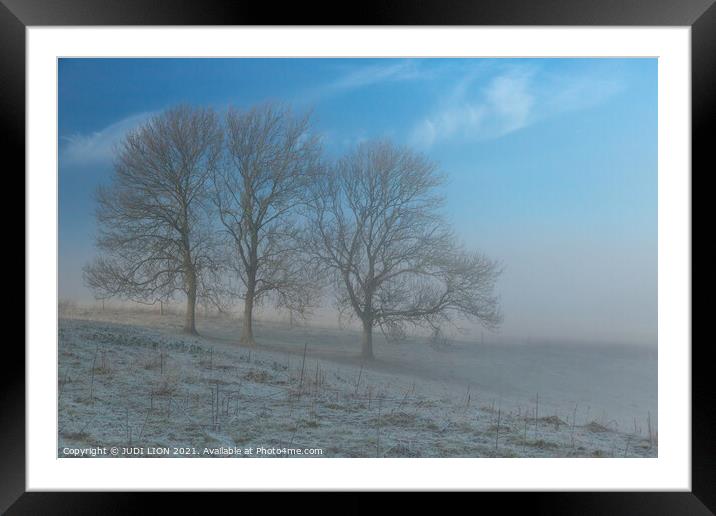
(512, 99)
(373, 74)
(574, 93)
(98, 147)
(504, 105)
(360, 77)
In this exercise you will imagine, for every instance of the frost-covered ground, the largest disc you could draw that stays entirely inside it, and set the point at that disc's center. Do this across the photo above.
(132, 379)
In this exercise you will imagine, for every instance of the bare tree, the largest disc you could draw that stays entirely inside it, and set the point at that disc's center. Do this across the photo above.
(270, 160)
(154, 231)
(394, 261)
(105, 279)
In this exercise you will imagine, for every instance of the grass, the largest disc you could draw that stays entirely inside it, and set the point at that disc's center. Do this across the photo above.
(166, 385)
(595, 427)
(76, 436)
(397, 419)
(258, 376)
(553, 421)
(369, 414)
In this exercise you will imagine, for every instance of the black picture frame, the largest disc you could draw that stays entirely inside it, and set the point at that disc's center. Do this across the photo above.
(700, 15)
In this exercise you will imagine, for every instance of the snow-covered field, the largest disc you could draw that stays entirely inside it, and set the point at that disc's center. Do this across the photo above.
(133, 380)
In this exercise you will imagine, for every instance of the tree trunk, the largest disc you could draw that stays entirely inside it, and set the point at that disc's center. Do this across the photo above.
(190, 323)
(367, 343)
(247, 331)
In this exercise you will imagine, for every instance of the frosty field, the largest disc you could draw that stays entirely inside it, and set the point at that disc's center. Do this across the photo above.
(132, 379)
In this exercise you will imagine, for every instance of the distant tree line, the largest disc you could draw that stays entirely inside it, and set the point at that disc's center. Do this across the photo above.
(246, 207)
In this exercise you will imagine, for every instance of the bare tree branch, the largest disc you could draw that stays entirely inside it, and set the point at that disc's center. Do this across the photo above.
(270, 159)
(393, 259)
(154, 232)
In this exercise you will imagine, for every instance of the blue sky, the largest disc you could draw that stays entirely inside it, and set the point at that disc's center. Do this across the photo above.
(551, 163)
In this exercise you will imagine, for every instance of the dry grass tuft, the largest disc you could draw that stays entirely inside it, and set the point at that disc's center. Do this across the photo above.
(397, 419)
(596, 427)
(260, 376)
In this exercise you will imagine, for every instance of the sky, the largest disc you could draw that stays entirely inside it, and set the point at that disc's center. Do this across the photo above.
(551, 164)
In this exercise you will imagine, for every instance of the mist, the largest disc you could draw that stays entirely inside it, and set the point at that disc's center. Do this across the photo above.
(365, 258)
(554, 288)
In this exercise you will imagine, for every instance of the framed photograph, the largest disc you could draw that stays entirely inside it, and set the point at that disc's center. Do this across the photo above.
(428, 249)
